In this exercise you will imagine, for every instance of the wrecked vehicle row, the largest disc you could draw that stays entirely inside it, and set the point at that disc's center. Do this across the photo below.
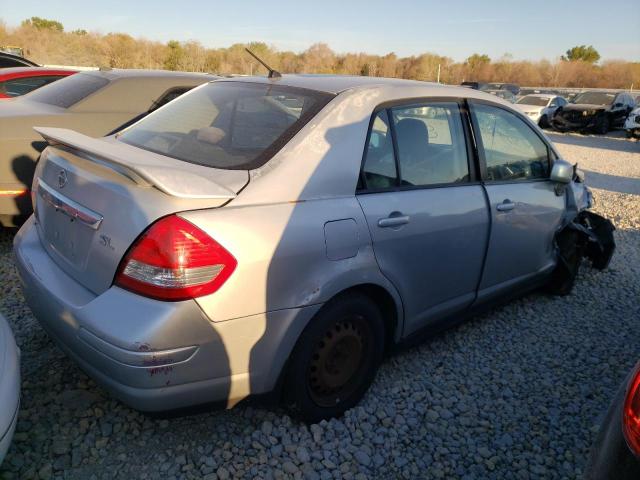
(595, 111)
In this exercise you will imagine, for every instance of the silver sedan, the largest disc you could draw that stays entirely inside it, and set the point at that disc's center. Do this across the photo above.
(280, 234)
(9, 386)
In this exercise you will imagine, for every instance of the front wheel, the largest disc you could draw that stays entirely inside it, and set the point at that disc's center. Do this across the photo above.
(603, 125)
(336, 358)
(563, 278)
(544, 122)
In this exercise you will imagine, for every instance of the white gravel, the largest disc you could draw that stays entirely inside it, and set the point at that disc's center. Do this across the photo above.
(516, 393)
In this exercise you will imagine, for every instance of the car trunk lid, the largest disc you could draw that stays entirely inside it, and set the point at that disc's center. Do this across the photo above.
(94, 197)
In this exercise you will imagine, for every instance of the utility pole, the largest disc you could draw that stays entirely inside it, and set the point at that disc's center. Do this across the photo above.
(438, 73)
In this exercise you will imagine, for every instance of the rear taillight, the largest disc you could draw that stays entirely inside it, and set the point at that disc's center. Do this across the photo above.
(175, 260)
(631, 413)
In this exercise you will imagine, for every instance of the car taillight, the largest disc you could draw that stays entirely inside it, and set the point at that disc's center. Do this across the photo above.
(175, 260)
(631, 413)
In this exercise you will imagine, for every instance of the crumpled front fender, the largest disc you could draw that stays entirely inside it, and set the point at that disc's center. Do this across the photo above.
(597, 232)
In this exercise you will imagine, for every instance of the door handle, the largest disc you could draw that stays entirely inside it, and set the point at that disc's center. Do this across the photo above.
(393, 221)
(505, 206)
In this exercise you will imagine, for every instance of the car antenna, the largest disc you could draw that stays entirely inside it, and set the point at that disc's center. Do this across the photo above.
(272, 73)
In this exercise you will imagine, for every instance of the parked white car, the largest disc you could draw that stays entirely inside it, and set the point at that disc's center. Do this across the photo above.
(9, 386)
(540, 107)
(632, 123)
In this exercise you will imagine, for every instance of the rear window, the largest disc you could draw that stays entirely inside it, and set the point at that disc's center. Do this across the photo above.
(68, 91)
(21, 86)
(228, 125)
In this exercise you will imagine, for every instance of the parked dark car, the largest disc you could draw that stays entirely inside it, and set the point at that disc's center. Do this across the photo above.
(503, 94)
(96, 103)
(598, 111)
(616, 453)
(511, 87)
(8, 60)
(18, 81)
(475, 85)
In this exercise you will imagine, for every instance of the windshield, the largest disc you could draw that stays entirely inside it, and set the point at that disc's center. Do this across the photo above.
(594, 98)
(68, 91)
(531, 100)
(229, 125)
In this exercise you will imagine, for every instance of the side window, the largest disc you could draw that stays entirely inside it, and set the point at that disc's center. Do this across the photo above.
(379, 169)
(431, 144)
(512, 150)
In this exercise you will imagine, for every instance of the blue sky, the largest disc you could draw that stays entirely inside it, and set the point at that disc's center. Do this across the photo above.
(525, 29)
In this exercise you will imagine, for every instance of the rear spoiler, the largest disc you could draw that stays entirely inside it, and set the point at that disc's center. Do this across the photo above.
(147, 169)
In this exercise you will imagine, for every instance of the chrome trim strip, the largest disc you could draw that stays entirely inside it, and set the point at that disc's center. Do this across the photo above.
(68, 207)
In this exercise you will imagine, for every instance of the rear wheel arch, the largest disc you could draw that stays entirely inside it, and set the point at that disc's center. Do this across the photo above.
(387, 305)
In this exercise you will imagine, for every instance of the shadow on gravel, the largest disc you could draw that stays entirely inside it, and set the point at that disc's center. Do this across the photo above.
(613, 141)
(613, 183)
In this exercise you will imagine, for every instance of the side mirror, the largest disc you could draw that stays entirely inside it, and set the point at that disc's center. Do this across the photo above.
(562, 171)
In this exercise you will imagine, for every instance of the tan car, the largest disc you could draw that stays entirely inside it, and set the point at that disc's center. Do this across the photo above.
(95, 103)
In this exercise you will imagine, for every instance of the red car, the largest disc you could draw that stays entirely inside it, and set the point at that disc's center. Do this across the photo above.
(20, 80)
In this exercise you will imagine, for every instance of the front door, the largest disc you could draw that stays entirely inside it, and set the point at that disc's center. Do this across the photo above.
(427, 217)
(525, 210)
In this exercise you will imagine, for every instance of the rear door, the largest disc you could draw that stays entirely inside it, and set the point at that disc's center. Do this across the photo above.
(426, 213)
(525, 210)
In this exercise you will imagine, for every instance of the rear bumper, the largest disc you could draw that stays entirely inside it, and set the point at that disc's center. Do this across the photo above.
(9, 387)
(155, 355)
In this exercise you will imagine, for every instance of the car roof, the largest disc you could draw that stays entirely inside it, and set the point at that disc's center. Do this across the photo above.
(7, 72)
(542, 95)
(335, 84)
(113, 74)
(18, 59)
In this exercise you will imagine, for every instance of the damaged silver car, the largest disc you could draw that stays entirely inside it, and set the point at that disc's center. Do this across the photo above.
(280, 234)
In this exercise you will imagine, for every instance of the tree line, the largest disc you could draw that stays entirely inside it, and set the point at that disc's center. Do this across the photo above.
(46, 42)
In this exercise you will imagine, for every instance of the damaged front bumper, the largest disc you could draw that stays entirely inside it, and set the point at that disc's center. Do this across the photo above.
(584, 234)
(564, 124)
(597, 235)
(632, 124)
(594, 231)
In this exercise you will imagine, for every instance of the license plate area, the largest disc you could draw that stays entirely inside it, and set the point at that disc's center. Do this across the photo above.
(67, 226)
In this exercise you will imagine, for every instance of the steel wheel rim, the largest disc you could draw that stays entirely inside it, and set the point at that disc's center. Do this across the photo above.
(338, 361)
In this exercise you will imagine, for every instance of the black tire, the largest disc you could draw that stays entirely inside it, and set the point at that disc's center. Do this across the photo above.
(603, 125)
(544, 122)
(335, 359)
(570, 255)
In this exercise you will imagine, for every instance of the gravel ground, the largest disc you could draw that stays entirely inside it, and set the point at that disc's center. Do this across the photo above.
(515, 393)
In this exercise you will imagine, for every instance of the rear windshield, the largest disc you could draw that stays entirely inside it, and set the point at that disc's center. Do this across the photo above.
(594, 98)
(228, 125)
(68, 91)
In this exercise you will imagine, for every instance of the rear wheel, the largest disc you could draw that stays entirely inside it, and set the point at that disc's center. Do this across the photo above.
(336, 358)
